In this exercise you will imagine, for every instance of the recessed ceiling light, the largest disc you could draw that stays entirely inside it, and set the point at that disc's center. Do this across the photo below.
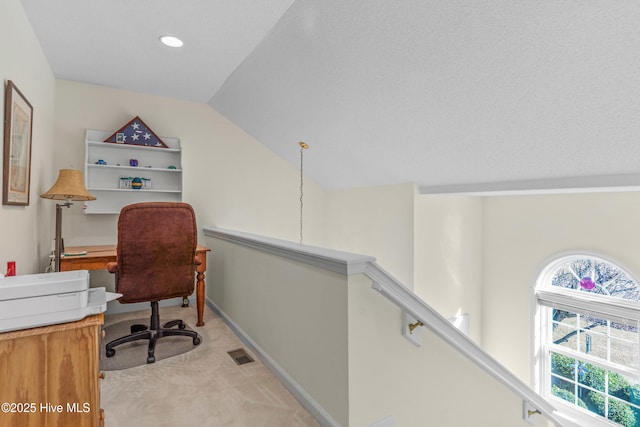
(171, 41)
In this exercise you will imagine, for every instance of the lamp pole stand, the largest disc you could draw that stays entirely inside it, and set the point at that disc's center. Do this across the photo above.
(59, 244)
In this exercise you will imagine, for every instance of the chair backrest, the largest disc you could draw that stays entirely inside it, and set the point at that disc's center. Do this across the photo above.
(156, 251)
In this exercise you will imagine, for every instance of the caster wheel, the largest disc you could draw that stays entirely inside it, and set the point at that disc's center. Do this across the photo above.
(151, 359)
(110, 352)
(196, 340)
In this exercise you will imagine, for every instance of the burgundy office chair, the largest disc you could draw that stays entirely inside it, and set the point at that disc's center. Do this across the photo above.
(156, 261)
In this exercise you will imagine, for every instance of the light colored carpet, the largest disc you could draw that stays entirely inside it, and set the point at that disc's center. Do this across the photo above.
(203, 387)
(135, 353)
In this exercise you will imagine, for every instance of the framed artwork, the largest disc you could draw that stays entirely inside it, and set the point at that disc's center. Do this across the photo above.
(18, 119)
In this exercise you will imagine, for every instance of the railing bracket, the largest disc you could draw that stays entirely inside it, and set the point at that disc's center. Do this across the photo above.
(409, 331)
(529, 411)
(412, 326)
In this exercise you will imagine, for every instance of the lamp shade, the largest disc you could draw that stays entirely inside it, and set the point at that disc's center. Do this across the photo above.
(69, 185)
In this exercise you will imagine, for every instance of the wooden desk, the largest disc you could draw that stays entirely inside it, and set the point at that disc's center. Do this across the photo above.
(98, 257)
(50, 375)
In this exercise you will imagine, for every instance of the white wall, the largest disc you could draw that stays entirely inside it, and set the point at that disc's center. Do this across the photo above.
(376, 221)
(26, 232)
(521, 234)
(448, 256)
(432, 385)
(231, 180)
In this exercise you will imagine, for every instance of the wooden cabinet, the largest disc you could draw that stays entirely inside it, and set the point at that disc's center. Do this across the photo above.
(108, 169)
(50, 375)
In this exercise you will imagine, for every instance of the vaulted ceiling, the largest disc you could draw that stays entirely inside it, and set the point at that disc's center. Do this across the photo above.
(454, 95)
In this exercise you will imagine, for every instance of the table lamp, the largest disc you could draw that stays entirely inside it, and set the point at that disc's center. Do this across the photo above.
(68, 187)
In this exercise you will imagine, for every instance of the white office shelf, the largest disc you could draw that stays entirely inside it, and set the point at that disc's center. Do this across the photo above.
(132, 147)
(129, 190)
(136, 169)
(103, 181)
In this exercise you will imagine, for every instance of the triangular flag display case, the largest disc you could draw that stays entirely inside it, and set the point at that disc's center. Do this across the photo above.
(136, 132)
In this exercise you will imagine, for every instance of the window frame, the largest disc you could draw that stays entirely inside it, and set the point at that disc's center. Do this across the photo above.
(545, 299)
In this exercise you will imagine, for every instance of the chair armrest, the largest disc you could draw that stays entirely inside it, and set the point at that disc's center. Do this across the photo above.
(112, 267)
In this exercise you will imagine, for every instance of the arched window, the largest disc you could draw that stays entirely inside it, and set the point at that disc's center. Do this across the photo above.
(587, 347)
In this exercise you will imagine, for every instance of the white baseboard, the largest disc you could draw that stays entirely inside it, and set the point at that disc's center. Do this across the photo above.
(317, 411)
(387, 422)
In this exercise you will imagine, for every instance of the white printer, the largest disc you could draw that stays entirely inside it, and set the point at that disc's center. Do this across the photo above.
(44, 299)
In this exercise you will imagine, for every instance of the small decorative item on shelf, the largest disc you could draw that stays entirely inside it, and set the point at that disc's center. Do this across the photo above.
(101, 162)
(125, 182)
(136, 183)
(133, 162)
(172, 167)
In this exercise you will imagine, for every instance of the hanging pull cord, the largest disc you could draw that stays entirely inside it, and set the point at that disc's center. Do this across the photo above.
(303, 146)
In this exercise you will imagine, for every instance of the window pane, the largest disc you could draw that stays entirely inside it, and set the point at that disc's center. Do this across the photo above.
(563, 389)
(624, 388)
(623, 414)
(593, 400)
(596, 276)
(563, 366)
(593, 376)
(565, 335)
(625, 353)
(594, 343)
(564, 317)
(590, 322)
(564, 278)
(623, 287)
(624, 343)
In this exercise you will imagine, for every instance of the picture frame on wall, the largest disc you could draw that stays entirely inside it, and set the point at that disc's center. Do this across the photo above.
(18, 115)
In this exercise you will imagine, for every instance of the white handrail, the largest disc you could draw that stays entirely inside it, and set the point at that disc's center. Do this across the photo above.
(409, 302)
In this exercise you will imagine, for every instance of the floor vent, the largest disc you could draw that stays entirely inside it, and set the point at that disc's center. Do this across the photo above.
(240, 356)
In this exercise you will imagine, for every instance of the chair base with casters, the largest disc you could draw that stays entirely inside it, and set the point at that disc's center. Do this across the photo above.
(152, 333)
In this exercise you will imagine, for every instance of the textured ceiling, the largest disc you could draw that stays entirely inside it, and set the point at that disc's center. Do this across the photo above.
(452, 95)
(115, 43)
